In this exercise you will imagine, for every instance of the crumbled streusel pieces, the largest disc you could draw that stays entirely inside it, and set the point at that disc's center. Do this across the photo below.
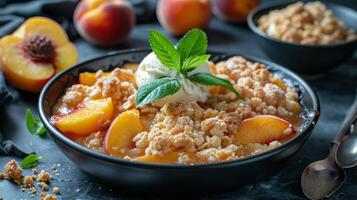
(13, 172)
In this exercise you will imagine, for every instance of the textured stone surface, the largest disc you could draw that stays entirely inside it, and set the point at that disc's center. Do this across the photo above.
(335, 90)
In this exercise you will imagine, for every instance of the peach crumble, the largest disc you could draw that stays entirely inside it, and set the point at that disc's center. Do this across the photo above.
(305, 23)
(177, 107)
(221, 128)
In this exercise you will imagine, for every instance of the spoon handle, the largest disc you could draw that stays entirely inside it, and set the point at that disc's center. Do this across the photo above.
(351, 115)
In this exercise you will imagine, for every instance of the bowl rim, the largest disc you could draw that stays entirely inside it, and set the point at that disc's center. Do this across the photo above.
(269, 6)
(253, 158)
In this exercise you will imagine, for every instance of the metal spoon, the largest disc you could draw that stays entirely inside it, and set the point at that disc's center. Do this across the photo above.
(322, 178)
(346, 155)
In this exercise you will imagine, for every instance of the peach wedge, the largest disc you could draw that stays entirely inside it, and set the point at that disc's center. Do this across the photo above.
(122, 131)
(264, 129)
(89, 78)
(88, 117)
(167, 158)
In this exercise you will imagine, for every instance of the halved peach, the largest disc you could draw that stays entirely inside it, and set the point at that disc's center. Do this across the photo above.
(65, 52)
(167, 158)
(122, 131)
(88, 117)
(89, 78)
(20, 71)
(35, 52)
(264, 129)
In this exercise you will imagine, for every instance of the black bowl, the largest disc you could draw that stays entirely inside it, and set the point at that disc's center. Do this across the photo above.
(305, 59)
(172, 177)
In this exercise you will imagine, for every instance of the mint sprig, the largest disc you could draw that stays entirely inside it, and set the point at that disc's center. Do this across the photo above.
(30, 161)
(189, 53)
(192, 44)
(164, 50)
(34, 125)
(209, 79)
(192, 62)
(157, 89)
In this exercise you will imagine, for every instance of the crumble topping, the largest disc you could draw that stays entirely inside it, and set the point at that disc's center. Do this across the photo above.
(309, 23)
(198, 132)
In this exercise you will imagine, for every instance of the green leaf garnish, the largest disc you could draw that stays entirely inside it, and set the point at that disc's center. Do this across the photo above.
(209, 79)
(189, 53)
(30, 161)
(192, 43)
(164, 50)
(34, 125)
(157, 89)
(193, 61)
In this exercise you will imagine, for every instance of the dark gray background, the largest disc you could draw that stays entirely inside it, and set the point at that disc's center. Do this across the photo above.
(335, 90)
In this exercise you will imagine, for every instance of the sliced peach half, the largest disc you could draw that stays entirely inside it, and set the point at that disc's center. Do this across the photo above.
(31, 51)
(170, 157)
(89, 78)
(264, 129)
(20, 71)
(122, 131)
(90, 116)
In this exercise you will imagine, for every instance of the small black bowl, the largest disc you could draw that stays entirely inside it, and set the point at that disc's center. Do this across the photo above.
(305, 59)
(173, 178)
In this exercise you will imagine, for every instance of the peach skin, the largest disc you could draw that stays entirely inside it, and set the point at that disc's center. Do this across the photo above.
(104, 22)
(234, 10)
(180, 16)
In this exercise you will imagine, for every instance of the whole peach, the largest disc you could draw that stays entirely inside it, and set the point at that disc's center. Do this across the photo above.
(104, 22)
(180, 16)
(234, 10)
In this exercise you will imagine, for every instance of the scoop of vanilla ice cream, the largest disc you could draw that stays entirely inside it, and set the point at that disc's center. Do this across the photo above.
(151, 69)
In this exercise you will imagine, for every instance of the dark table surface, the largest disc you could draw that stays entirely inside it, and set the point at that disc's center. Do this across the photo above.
(335, 90)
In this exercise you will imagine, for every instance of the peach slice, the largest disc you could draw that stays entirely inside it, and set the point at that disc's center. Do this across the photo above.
(35, 52)
(88, 117)
(280, 83)
(264, 129)
(170, 157)
(89, 78)
(122, 131)
(167, 158)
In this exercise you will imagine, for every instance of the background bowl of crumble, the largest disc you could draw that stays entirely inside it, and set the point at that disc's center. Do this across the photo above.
(175, 178)
(310, 38)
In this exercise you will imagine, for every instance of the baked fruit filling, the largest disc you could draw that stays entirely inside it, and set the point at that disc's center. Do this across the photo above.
(248, 110)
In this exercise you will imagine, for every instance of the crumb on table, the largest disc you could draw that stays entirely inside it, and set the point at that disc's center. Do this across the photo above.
(43, 176)
(13, 172)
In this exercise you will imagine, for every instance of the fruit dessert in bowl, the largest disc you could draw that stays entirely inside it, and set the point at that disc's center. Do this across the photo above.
(305, 36)
(161, 118)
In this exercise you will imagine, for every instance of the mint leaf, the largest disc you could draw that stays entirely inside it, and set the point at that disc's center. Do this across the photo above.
(209, 79)
(30, 161)
(164, 50)
(157, 89)
(193, 62)
(34, 125)
(193, 43)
